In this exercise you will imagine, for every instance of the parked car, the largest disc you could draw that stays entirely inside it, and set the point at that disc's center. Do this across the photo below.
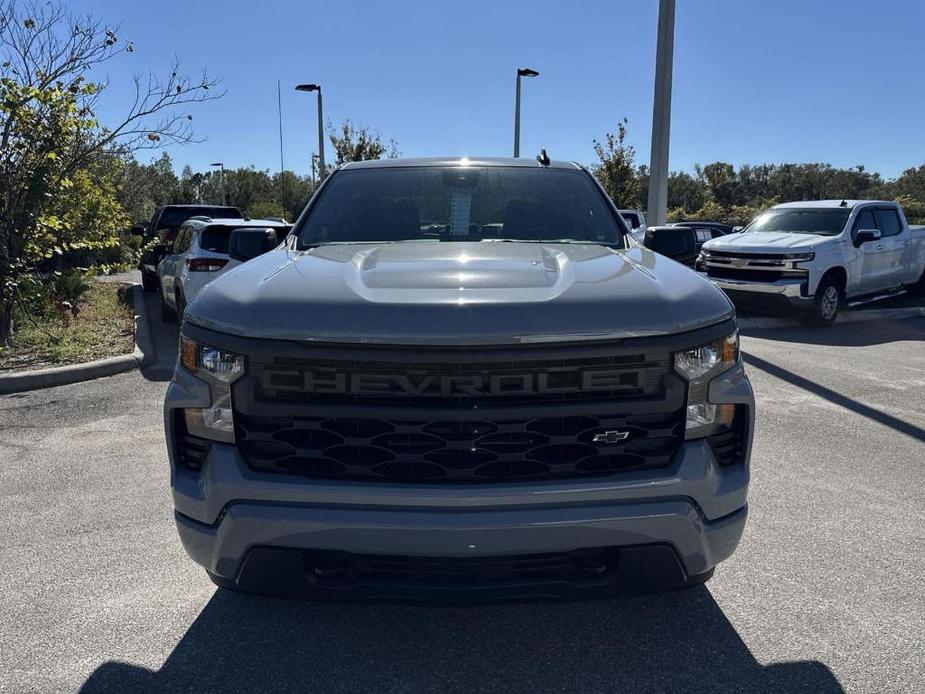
(199, 254)
(636, 220)
(680, 243)
(814, 257)
(715, 228)
(459, 375)
(163, 227)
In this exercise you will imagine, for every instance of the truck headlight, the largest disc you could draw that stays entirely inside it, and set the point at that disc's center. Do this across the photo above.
(799, 256)
(219, 369)
(699, 365)
(712, 357)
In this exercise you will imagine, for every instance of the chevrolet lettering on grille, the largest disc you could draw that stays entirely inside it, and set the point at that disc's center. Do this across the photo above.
(567, 380)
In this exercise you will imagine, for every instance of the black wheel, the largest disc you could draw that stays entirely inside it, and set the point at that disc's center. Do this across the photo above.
(167, 314)
(148, 283)
(918, 287)
(180, 303)
(829, 299)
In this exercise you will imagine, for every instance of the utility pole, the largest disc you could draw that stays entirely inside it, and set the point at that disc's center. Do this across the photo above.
(661, 115)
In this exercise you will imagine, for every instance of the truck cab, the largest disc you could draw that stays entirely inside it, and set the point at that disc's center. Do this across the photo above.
(817, 257)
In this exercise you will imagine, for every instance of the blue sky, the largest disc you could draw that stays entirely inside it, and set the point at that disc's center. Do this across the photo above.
(754, 81)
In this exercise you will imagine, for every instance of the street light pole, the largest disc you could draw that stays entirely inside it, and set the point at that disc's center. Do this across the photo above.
(521, 72)
(661, 115)
(224, 190)
(317, 88)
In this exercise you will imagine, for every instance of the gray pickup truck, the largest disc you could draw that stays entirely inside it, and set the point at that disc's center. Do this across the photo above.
(457, 378)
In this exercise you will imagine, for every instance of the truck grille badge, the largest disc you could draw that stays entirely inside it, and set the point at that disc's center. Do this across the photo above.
(610, 437)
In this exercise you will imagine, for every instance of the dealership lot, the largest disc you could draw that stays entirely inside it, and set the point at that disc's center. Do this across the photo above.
(824, 594)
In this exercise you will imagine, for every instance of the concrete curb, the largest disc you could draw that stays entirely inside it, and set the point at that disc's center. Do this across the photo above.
(863, 316)
(142, 355)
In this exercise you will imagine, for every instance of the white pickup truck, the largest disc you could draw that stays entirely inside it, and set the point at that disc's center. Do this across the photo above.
(818, 257)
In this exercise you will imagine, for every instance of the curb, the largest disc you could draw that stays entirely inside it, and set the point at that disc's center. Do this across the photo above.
(862, 316)
(142, 355)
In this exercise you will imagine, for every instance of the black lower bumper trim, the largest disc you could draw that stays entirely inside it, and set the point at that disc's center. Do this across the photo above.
(757, 302)
(341, 576)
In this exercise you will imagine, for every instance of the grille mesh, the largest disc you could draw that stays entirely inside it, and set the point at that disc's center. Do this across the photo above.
(434, 450)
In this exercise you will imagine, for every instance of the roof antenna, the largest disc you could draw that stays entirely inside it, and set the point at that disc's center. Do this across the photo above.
(843, 203)
(542, 157)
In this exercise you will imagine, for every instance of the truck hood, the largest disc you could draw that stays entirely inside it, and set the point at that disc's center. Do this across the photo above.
(766, 242)
(458, 293)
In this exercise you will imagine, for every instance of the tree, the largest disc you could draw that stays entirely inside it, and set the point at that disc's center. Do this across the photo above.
(722, 182)
(616, 169)
(292, 192)
(49, 131)
(686, 192)
(353, 143)
(145, 187)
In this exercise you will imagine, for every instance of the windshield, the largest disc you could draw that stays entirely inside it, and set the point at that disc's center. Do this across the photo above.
(809, 220)
(175, 216)
(459, 203)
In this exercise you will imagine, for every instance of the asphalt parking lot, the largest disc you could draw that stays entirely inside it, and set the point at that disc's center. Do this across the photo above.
(825, 594)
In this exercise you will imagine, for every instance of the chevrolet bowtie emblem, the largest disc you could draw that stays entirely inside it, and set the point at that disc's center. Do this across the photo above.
(610, 437)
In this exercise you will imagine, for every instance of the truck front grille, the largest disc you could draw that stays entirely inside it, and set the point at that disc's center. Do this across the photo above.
(448, 415)
(496, 449)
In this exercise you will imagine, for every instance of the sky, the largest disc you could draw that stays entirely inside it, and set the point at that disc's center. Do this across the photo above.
(755, 81)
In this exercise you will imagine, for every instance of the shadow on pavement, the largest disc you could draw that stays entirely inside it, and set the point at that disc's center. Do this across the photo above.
(833, 396)
(165, 336)
(667, 643)
(863, 334)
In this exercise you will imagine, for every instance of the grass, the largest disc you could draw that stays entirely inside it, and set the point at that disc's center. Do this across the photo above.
(102, 328)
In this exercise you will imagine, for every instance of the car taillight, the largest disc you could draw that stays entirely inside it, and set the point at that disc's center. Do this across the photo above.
(205, 264)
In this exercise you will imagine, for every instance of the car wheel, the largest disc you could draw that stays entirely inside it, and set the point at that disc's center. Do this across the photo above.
(828, 301)
(181, 304)
(148, 283)
(919, 287)
(167, 314)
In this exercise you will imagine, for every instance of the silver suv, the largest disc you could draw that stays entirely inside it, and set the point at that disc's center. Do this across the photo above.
(456, 378)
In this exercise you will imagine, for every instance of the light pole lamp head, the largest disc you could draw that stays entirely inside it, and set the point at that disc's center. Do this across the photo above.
(526, 72)
(308, 88)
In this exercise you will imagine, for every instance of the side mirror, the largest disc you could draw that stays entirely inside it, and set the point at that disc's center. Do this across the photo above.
(736, 230)
(865, 235)
(245, 244)
(137, 230)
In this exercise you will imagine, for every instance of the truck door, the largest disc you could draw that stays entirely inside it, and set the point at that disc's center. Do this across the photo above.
(869, 257)
(893, 239)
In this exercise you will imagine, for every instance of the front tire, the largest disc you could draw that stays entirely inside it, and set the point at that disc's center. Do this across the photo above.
(167, 314)
(828, 302)
(919, 287)
(148, 283)
(181, 305)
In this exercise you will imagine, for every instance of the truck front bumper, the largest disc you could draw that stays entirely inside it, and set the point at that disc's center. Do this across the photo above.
(270, 533)
(766, 296)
